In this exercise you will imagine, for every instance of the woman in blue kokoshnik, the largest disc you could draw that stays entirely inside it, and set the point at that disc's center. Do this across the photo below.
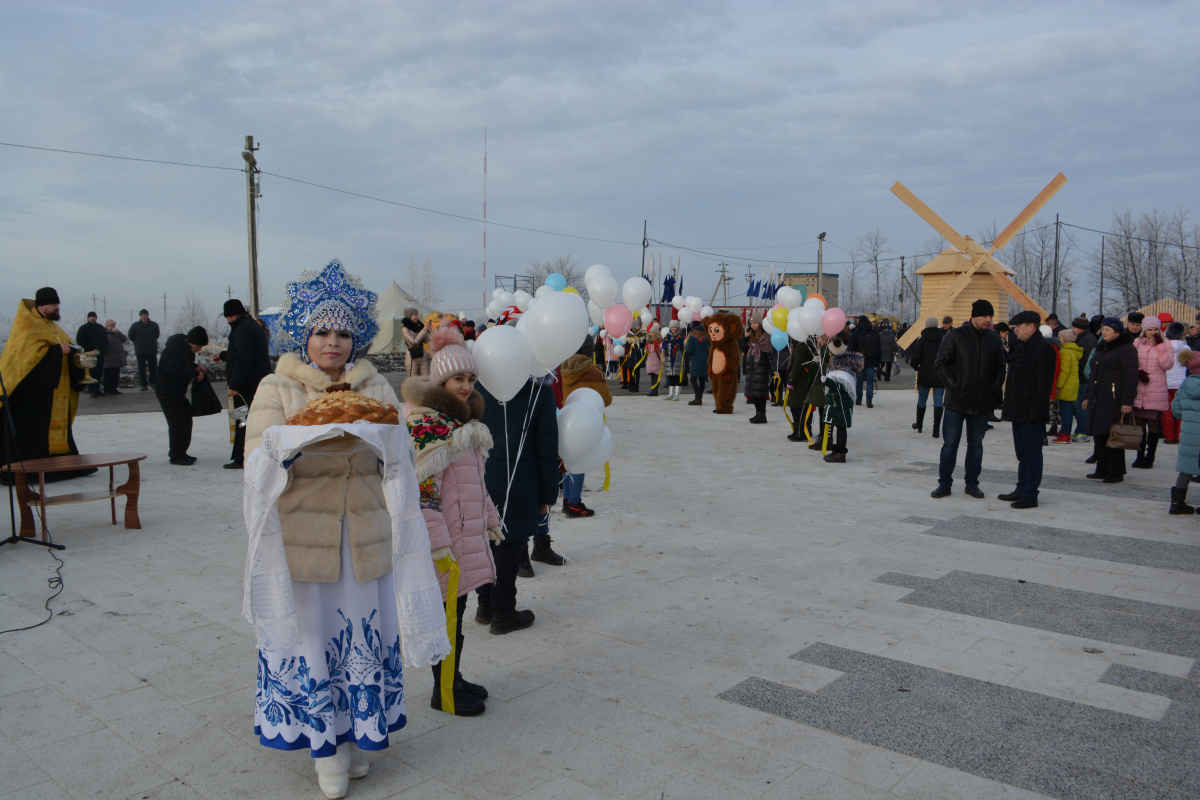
(344, 515)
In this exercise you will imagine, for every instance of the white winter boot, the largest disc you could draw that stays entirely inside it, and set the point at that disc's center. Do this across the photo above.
(675, 393)
(359, 766)
(333, 773)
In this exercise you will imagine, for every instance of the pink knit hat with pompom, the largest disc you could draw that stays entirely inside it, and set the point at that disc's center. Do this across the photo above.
(450, 356)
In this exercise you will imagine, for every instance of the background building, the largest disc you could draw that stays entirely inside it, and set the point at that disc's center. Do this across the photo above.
(829, 285)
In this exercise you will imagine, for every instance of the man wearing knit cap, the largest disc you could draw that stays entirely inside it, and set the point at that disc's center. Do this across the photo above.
(144, 335)
(1134, 323)
(970, 363)
(247, 362)
(1027, 388)
(38, 374)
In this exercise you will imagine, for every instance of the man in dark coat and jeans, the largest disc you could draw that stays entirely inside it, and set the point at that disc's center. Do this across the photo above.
(1027, 387)
(247, 362)
(93, 336)
(970, 363)
(144, 335)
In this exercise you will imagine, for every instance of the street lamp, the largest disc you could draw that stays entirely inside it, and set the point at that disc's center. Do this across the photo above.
(820, 266)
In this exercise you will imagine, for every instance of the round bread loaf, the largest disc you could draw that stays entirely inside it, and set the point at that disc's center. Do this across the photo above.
(345, 406)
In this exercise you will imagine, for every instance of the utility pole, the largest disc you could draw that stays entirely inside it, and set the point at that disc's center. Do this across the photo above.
(104, 300)
(721, 281)
(1100, 309)
(164, 318)
(1054, 301)
(645, 246)
(229, 291)
(252, 193)
(485, 297)
(820, 264)
(93, 301)
(901, 290)
(1070, 314)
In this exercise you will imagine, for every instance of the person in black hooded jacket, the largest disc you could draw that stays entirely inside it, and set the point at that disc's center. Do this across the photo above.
(177, 371)
(970, 363)
(921, 357)
(247, 362)
(864, 340)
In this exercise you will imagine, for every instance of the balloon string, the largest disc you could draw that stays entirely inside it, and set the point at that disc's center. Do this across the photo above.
(520, 446)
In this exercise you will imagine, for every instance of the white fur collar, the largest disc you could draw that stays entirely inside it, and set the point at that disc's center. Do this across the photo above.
(292, 366)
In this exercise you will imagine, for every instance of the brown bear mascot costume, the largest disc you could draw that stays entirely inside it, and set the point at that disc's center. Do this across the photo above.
(724, 330)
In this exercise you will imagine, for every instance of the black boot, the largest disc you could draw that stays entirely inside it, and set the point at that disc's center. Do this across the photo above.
(470, 688)
(512, 621)
(795, 435)
(919, 425)
(483, 614)
(466, 704)
(1151, 449)
(760, 418)
(653, 392)
(1178, 504)
(543, 552)
(525, 569)
(937, 422)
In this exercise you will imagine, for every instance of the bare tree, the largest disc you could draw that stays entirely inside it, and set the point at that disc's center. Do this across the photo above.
(1030, 255)
(848, 285)
(190, 314)
(1148, 258)
(564, 265)
(422, 281)
(871, 251)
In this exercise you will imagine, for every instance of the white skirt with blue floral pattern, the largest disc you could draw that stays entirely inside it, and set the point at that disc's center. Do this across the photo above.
(342, 683)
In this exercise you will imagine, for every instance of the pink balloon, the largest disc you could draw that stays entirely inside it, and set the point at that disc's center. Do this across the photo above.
(617, 320)
(832, 321)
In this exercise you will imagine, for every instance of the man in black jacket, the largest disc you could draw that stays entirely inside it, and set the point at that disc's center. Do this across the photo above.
(177, 371)
(864, 339)
(92, 336)
(247, 362)
(144, 335)
(1027, 388)
(970, 363)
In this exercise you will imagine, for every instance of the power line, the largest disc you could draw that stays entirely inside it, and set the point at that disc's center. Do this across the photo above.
(120, 158)
(1133, 238)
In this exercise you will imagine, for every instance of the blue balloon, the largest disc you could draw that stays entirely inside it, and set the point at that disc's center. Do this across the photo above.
(556, 281)
(594, 330)
(779, 339)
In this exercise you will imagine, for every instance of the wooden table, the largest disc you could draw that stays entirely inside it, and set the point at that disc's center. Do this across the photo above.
(26, 496)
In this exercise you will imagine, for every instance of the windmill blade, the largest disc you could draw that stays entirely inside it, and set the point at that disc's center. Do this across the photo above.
(1030, 212)
(1014, 291)
(926, 213)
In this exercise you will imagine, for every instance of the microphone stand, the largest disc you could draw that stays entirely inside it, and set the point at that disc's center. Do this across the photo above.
(10, 432)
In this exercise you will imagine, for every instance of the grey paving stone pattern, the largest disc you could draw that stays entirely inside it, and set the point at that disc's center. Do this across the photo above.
(1008, 479)
(1055, 747)
(1104, 546)
(1134, 623)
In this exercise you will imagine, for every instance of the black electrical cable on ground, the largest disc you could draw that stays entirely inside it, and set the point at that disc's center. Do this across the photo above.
(55, 582)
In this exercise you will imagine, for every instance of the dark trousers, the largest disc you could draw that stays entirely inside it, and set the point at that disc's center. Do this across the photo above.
(952, 429)
(839, 440)
(864, 377)
(112, 376)
(1027, 442)
(147, 365)
(239, 434)
(97, 373)
(1109, 460)
(760, 404)
(178, 412)
(458, 647)
(503, 592)
(698, 387)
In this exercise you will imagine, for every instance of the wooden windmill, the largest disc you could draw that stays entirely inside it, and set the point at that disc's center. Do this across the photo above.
(965, 257)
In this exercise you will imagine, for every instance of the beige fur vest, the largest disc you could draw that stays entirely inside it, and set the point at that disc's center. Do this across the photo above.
(332, 481)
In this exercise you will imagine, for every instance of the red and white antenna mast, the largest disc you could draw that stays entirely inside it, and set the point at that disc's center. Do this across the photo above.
(485, 299)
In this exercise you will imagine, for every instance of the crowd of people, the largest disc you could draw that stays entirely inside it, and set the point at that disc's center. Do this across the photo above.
(346, 583)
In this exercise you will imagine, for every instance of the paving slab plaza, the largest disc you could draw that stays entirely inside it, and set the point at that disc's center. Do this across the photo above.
(738, 620)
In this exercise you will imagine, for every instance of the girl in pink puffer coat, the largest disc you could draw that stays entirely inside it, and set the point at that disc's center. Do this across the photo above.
(443, 415)
(1155, 357)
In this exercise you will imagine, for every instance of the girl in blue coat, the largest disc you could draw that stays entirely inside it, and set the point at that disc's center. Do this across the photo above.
(1186, 410)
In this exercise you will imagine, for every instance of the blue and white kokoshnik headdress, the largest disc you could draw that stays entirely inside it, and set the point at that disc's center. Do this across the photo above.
(331, 298)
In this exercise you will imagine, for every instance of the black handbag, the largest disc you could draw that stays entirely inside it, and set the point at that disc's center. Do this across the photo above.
(204, 399)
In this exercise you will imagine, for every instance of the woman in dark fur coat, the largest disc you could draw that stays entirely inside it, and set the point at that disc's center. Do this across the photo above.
(1111, 391)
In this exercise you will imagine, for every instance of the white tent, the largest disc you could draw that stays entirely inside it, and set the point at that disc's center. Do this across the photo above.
(390, 306)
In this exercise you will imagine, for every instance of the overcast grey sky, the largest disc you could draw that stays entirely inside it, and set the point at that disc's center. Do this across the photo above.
(727, 125)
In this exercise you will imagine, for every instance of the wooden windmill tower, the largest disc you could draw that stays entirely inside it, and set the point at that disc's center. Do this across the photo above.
(956, 274)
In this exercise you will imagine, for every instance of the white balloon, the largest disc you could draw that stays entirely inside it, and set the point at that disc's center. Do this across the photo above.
(706, 312)
(496, 293)
(593, 270)
(618, 350)
(790, 298)
(795, 329)
(543, 289)
(580, 431)
(470, 345)
(508, 299)
(695, 304)
(521, 322)
(502, 355)
(685, 316)
(646, 316)
(602, 289)
(595, 459)
(767, 325)
(810, 318)
(814, 302)
(494, 309)
(678, 301)
(557, 326)
(523, 299)
(595, 313)
(636, 292)
(585, 395)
